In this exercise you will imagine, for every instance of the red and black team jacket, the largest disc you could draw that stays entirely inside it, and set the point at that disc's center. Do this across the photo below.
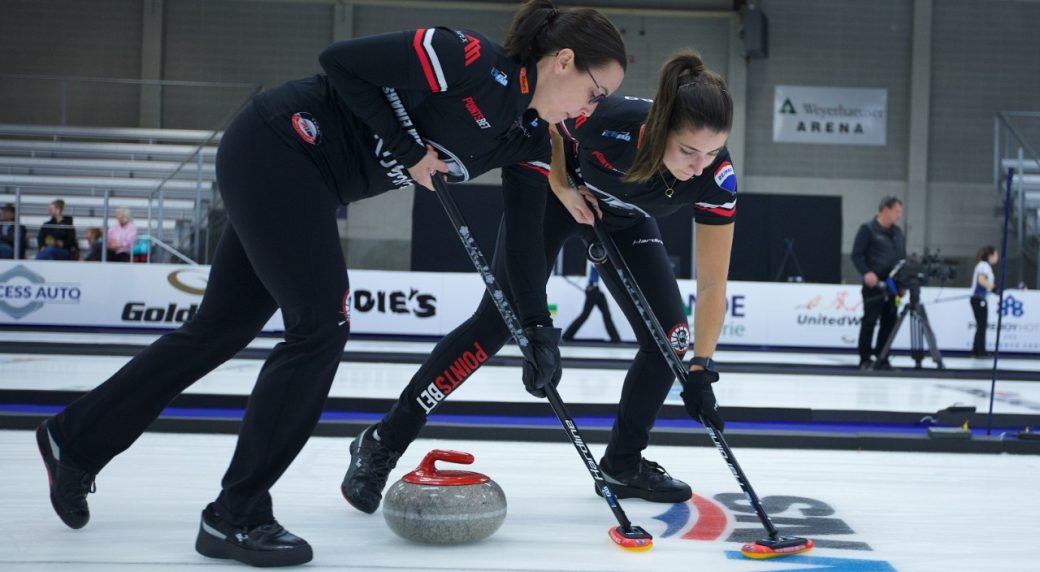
(360, 120)
(454, 89)
(601, 150)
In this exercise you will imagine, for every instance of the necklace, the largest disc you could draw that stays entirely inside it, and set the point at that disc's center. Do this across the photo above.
(669, 190)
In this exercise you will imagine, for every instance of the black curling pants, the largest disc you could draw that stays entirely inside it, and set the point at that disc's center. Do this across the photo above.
(649, 378)
(280, 250)
(979, 307)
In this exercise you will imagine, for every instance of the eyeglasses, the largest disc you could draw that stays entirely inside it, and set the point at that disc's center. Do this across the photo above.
(598, 98)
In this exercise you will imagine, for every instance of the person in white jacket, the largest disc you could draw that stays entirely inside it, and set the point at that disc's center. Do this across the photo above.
(982, 283)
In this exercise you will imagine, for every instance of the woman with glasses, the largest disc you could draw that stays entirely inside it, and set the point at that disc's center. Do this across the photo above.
(287, 161)
(634, 160)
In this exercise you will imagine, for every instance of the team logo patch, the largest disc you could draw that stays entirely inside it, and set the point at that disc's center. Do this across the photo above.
(472, 49)
(524, 87)
(619, 135)
(345, 307)
(602, 159)
(500, 76)
(726, 177)
(307, 128)
(679, 337)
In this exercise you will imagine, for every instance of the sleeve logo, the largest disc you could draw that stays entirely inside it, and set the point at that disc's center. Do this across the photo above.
(472, 49)
(620, 135)
(726, 177)
(500, 76)
(307, 128)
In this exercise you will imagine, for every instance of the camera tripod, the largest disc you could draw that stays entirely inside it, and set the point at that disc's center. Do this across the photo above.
(920, 332)
(789, 256)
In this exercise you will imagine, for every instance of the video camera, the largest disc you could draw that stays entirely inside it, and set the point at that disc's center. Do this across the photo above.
(916, 271)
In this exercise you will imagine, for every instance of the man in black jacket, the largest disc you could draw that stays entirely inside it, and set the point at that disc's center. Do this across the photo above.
(57, 237)
(879, 245)
(7, 234)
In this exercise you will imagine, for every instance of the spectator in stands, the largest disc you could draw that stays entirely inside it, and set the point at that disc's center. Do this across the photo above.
(57, 237)
(122, 235)
(95, 242)
(982, 282)
(879, 245)
(7, 233)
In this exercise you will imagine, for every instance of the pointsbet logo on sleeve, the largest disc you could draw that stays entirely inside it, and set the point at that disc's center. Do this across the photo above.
(23, 292)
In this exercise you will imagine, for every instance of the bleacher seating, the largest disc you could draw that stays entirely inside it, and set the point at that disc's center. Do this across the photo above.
(169, 170)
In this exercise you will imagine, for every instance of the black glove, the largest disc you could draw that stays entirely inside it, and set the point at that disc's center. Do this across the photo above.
(700, 399)
(546, 368)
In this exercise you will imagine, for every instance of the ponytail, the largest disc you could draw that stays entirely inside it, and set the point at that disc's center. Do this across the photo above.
(984, 253)
(689, 96)
(539, 29)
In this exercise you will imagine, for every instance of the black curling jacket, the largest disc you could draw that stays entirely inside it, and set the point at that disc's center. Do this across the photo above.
(600, 150)
(360, 121)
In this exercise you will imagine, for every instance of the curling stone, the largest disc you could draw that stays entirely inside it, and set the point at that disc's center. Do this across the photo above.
(436, 506)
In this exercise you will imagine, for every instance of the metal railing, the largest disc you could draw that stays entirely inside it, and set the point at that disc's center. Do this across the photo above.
(107, 210)
(196, 155)
(1016, 160)
(198, 238)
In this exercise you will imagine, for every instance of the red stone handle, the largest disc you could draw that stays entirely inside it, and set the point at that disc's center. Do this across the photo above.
(429, 474)
(427, 465)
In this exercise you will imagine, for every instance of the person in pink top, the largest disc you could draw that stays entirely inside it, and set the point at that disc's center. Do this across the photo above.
(122, 234)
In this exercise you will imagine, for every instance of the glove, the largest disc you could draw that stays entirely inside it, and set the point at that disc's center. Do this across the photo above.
(546, 368)
(700, 399)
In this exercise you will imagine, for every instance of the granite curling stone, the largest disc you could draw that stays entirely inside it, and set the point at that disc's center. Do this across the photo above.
(435, 506)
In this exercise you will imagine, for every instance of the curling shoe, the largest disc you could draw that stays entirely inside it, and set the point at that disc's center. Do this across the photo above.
(69, 484)
(370, 464)
(262, 545)
(647, 481)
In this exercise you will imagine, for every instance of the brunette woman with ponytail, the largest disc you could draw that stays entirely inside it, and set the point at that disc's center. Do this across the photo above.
(634, 160)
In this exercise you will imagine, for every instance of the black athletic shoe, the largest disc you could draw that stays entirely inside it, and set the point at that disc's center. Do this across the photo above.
(263, 545)
(370, 465)
(866, 364)
(648, 481)
(883, 365)
(68, 483)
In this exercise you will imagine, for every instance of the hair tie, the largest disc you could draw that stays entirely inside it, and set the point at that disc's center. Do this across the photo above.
(687, 84)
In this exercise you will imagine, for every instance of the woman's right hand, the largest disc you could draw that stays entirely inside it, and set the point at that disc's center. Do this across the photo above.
(423, 171)
(580, 203)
